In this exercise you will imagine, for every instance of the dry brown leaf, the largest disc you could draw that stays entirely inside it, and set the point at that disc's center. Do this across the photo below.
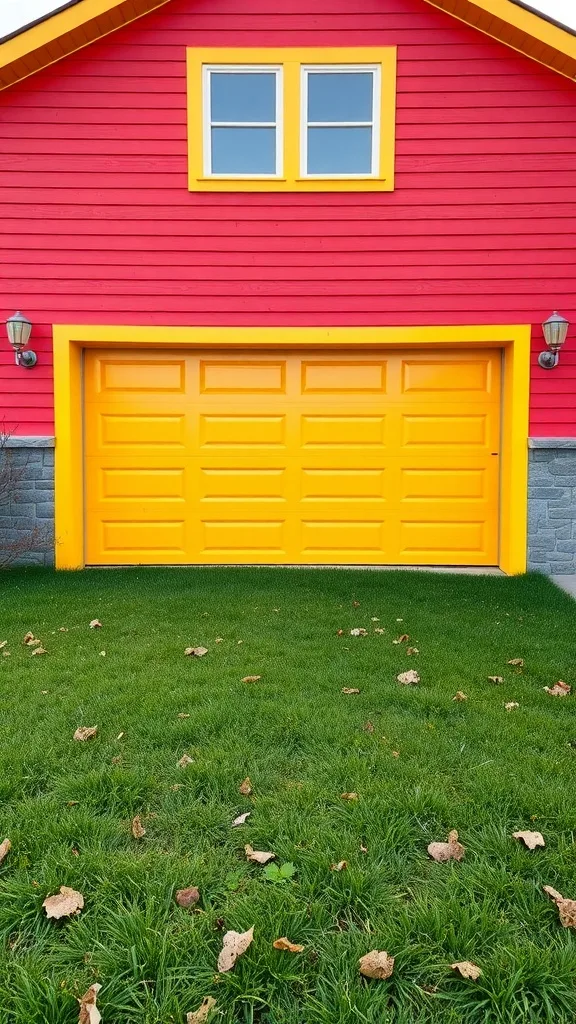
(451, 850)
(359, 631)
(5, 848)
(340, 866)
(30, 639)
(251, 679)
(409, 678)
(89, 1013)
(376, 964)
(560, 689)
(285, 944)
(240, 820)
(234, 945)
(566, 908)
(245, 787)
(137, 828)
(512, 705)
(412, 650)
(185, 760)
(368, 727)
(86, 732)
(350, 689)
(258, 856)
(183, 714)
(6, 654)
(379, 630)
(39, 650)
(466, 969)
(530, 839)
(3, 643)
(200, 1016)
(395, 753)
(519, 662)
(459, 695)
(196, 652)
(349, 796)
(496, 679)
(63, 904)
(187, 897)
(95, 624)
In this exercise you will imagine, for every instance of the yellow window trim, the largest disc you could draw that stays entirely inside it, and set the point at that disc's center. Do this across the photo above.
(70, 341)
(291, 60)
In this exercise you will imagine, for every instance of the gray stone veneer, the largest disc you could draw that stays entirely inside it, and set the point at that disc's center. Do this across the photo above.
(27, 519)
(552, 504)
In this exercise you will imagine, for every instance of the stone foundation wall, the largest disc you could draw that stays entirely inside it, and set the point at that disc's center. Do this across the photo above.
(552, 504)
(27, 520)
(27, 517)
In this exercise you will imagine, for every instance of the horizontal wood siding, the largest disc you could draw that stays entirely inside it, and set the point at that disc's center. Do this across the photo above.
(97, 224)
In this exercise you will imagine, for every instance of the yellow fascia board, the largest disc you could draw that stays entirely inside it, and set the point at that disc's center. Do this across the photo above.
(69, 342)
(291, 59)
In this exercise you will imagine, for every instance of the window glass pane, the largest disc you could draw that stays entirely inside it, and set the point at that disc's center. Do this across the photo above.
(339, 151)
(243, 150)
(235, 96)
(340, 96)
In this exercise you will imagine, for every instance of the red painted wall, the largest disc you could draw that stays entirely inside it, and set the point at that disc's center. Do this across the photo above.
(98, 225)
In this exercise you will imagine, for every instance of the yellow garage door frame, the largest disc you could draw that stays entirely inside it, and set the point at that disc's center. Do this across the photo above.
(71, 340)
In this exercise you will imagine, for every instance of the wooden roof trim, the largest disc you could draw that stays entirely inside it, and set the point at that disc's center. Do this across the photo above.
(80, 22)
(63, 32)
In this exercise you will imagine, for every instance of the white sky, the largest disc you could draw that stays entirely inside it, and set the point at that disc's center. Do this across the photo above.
(15, 13)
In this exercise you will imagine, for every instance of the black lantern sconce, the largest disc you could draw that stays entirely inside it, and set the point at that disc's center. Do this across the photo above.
(555, 329)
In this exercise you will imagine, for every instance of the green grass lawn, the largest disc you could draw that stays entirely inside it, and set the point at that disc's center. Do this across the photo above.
(428, 765)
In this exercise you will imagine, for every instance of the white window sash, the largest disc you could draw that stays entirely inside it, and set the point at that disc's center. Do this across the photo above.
(208, 123)
(376, 71)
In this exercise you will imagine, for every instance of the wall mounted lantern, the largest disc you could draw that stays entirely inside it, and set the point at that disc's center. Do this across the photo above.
(18, 328)
(555, 329)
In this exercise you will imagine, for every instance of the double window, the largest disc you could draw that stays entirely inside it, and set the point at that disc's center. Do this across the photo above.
(309, 121)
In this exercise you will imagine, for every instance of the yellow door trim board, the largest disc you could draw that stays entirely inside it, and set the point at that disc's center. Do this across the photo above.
(70, 341)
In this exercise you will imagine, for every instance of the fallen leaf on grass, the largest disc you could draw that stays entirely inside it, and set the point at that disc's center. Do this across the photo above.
(86, 732)
(95, 624)
(560, 689)
(39, 650)
(5, 848)
(412, 650)
(466, 969)
(30, 640)
(368, 727)
(395, 753)
(234, 945)
(496, 679)
(519, 662)
(196, 652)
(512, 705)
(251, 679)
(340, 866)
(3, 643)
(349, 796)
(409, 678)
(187, 897)
(258, 856)
(63, 904)
(6, 654)
(240, 820)
(359, 631)
(530, 839)
(183, 714)
(402, 638)
(200, 1016)
(459, 695)
(285, 944)
(379, 630)
(451, 850)
(566, 908)
(350, 689)
(137, 828)
(185, 760)
(89, 1013)
(245, 787)
(376, 964)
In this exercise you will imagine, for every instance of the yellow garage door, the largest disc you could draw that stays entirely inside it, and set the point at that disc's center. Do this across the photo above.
(292, 456)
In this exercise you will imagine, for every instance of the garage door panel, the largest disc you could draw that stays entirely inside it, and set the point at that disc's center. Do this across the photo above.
(287, 457)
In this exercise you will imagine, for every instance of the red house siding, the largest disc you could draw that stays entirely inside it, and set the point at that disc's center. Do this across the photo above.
(99, 226)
